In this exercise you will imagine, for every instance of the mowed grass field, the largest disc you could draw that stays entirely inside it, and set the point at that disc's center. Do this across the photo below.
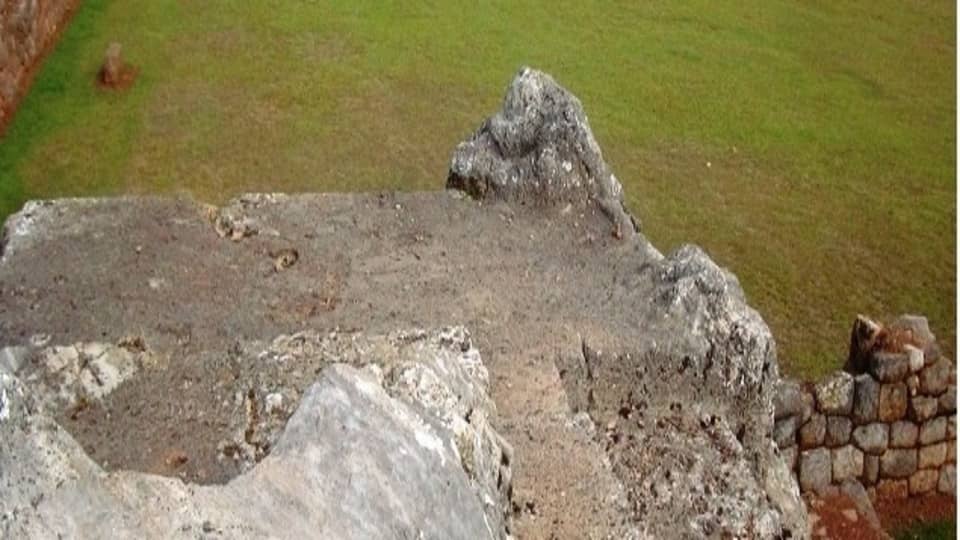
(808, 145)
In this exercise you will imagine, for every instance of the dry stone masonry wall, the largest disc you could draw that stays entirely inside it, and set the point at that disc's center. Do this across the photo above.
(888, 420)
(27, 28)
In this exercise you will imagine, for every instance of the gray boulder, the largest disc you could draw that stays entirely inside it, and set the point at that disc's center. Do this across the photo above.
(538, 149)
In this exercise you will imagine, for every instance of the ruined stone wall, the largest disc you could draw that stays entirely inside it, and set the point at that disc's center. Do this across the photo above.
(27, 29)
(892, 426)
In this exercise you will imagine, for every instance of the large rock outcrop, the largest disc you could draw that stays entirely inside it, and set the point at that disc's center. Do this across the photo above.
(635, 389)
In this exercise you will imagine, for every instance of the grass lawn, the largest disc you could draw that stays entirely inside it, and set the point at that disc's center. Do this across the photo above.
(809, 146)
(937, 530)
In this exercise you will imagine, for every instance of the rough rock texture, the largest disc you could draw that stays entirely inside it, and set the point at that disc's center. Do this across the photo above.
(784, 431)
(871, 469)
(404, 449)
(923, 481)
(932, 456)
(893, 402)
(538, 148)
(788, 399)
(813, 432)
(816, 469)
(898, 463)
(835, 393)
(933, 431)
(635, 389)
(866, 401)
(903, 434)
(27, 29)
(838, 431)
(947, 483)
(872, 438)
(847, 463)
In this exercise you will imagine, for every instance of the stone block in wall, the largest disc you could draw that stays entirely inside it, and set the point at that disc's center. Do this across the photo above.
(872, 438)
(866, 399)
(835, 393)
(893, 402)
(952, 426)
(847, 463)
(915, 356)
(923, 408)
(893, 489)
(924, 481)
(816, 469)
(913, 385)
(898, 463)
(784, 431)
(903, 434)
(809, 406)
(787, 399)
(813, 432)
(934, 430)
(935, 378)
(947, 483)
(871, 470)
(789, 456)
(947, 403)
(952, 451)
(889, 366)
(838, 431)
(932, 456)
(862, 338)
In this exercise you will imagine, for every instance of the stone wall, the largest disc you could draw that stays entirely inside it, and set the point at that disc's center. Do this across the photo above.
(27, 29)
(888, 419)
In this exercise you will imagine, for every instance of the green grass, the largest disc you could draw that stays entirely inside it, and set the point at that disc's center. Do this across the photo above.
(936, 530)
(829, 127)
